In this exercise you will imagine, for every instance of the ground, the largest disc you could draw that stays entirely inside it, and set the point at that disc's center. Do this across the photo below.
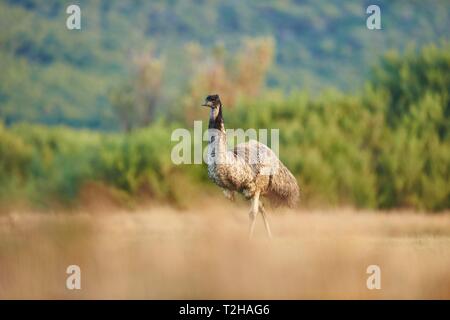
(161, 253)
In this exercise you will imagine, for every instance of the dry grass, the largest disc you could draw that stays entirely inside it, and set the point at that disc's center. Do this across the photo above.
(162, 253)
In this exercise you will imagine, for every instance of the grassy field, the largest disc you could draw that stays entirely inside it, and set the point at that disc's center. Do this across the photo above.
(161, 253)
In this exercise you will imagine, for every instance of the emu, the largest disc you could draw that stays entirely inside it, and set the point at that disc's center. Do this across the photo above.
(251, 169)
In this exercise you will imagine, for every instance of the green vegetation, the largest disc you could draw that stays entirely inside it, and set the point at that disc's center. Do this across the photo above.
(53, 76)
(386, 146)
(364, 115)
(49, 166)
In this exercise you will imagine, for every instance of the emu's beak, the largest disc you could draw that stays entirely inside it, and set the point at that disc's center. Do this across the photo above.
(205, 105)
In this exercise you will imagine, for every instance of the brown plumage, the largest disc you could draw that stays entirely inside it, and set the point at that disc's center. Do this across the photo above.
(251, 168)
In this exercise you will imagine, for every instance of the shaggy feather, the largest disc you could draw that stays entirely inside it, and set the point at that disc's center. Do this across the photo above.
(250, 167)
(270, 175)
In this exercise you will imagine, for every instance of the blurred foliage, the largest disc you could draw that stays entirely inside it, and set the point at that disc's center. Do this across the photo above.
(50, 166)
(386, 146)
(241, 75)
(380, 139)
(51, 75)
(136, 100)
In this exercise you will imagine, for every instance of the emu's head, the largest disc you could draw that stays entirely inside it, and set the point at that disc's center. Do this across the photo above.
(212, 101)
(215, 118)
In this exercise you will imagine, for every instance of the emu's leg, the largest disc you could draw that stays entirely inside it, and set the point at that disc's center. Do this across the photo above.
(253, 213)
(266, 222)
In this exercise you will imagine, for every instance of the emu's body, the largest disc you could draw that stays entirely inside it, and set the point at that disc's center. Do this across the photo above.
(251, 168)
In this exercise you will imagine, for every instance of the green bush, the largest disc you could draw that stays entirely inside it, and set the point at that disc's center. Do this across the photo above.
(385, 147)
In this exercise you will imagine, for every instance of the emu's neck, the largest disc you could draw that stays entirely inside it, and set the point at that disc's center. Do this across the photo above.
(216, 119)
(217, 136)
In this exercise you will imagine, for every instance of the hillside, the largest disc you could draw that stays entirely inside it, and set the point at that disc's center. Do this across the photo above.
(51, 75)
